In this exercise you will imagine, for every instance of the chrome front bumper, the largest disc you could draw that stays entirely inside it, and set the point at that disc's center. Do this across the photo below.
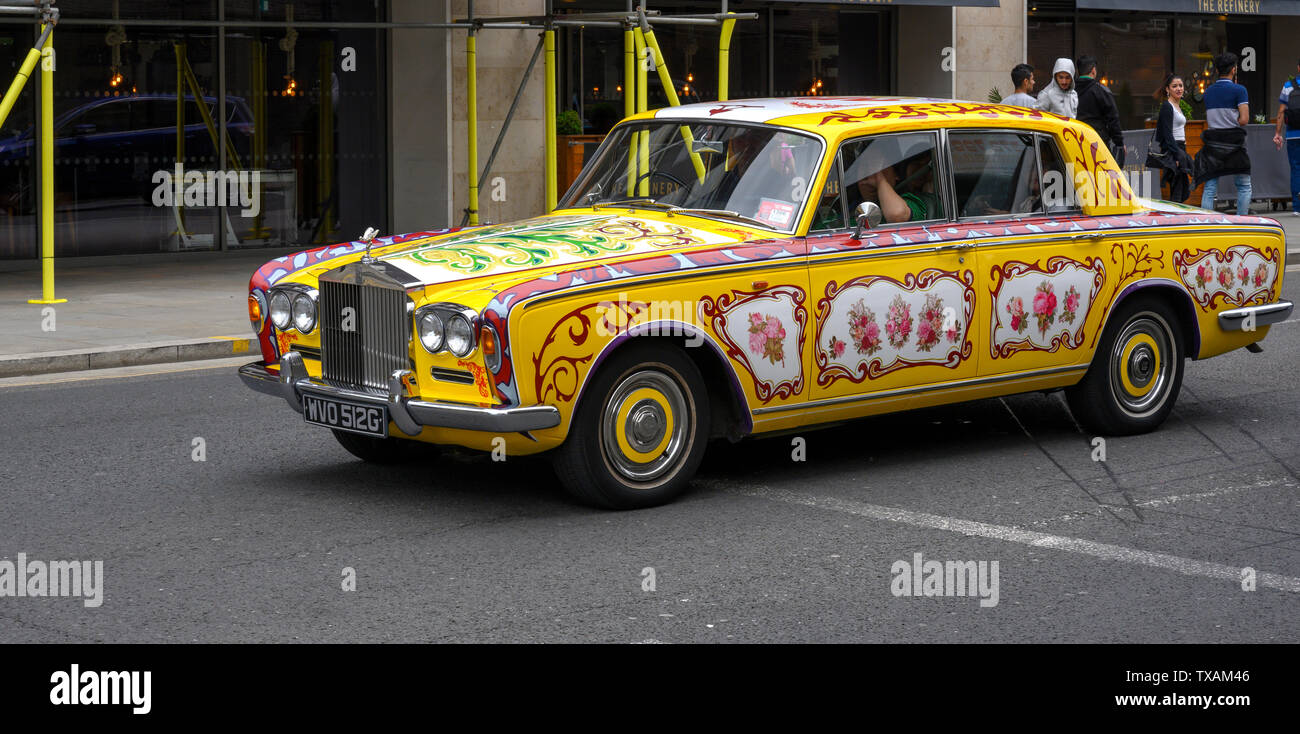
(1269, 313)
(410, 415)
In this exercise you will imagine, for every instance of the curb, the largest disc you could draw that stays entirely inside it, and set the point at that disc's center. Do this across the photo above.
(127, 355)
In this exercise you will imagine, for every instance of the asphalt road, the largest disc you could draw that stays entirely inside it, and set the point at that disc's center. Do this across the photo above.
(252, 544)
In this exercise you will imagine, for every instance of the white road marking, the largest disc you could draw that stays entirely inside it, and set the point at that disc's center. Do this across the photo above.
(1104, 551)
(1171, 499)
(123, 372)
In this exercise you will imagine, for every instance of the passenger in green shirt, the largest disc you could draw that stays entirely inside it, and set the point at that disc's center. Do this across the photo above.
(911, 201)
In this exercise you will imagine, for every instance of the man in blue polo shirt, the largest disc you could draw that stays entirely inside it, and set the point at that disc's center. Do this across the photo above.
(1290, 133)
(1227, 110)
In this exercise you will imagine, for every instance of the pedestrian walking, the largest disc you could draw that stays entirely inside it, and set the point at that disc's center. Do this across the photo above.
(1097, 108)
(1288, 122)
(1223, 150)
(1168, 151)
(1022, 78)
(1059, 96)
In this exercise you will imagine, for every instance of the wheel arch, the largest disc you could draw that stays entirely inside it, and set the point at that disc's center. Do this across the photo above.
(720, 378)
(1174, 295)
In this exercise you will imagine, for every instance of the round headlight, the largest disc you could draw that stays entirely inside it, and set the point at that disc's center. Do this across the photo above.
(281, 310)
(304, 313)
(431, 332)
(460, 337)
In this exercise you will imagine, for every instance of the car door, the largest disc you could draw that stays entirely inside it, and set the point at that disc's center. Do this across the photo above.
(1044, 272)
(892, 308)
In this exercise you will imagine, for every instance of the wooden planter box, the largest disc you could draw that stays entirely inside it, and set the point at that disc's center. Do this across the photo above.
(570, 153)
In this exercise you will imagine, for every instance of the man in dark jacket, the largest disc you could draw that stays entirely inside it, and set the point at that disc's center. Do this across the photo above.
(1097, 107)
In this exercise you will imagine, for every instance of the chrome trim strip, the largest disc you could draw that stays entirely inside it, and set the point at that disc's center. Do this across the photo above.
(1087, 237)
(873, 252)
(973, 382)
(1269, 313)
(409, 414)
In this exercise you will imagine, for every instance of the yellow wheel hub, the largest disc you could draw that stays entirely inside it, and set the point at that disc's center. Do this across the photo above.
(1139, 364)
(643, 425)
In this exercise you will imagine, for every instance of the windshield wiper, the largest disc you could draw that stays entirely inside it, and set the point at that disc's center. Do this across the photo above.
(643, 201)
(727, 213)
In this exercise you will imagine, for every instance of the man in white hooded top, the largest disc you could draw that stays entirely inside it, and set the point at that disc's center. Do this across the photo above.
(1059, 95)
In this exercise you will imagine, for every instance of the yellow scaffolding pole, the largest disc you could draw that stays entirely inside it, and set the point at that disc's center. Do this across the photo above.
(629, 101)
(47, 173)
(182, 230)
(666, 79)
(20, 81)
(642, 104)
(724, 59)
(471, 120)
(549, 43)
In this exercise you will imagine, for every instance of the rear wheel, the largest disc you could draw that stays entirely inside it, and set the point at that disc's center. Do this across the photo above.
(640, 432)
(1135, 375)
(381, 450)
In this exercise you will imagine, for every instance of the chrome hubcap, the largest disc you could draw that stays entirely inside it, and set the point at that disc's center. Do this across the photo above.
(1142, 365)
(645, 426)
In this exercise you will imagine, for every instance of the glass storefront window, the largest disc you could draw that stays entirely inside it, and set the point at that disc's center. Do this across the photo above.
(1136, 50)
(1132, 54)
(814, 50)
(292, 152)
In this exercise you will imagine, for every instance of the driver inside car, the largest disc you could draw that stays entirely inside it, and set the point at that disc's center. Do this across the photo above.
(899, 179)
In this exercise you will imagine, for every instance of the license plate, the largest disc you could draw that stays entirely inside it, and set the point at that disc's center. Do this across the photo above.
(371, 420)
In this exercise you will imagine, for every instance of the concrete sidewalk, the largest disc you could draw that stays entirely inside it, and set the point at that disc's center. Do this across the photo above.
(150, 309)
(128, 310)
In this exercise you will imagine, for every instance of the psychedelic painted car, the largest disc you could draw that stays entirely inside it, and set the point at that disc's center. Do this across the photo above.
(732, 269)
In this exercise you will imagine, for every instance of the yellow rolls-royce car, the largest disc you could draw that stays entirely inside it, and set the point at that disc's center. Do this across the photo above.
(732, 269)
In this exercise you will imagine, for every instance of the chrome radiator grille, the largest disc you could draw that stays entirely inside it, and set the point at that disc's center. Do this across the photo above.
(377, 343)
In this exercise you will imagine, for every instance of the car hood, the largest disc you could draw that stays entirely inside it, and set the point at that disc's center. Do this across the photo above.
(555, 243)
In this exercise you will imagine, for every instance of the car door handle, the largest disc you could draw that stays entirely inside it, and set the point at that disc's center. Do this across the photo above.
(1089, 237)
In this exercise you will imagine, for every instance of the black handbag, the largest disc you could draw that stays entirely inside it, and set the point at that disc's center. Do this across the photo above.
(1158, 157)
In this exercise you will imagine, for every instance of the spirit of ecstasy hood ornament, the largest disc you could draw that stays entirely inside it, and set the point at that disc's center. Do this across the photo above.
(369, 238)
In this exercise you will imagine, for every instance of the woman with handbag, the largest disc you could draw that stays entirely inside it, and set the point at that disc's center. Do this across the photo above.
(1168, 149)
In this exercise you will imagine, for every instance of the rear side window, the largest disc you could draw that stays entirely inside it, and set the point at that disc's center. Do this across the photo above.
(1056, 178)
(995, 174)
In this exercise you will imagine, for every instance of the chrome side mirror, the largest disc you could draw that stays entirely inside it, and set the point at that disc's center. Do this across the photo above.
(869, 216)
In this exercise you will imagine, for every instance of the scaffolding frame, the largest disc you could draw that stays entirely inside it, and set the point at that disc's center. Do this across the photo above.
(46, 16)
(641, 54)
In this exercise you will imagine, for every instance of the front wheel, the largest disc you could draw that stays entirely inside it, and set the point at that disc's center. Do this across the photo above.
(1135, 375)
(640, 431)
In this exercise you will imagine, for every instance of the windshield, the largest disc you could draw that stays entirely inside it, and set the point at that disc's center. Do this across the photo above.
(757, 175)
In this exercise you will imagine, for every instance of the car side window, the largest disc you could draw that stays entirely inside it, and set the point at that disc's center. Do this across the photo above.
(995, 173)
(898, 173)
(830, 213)
(110, 117)
(1056, 178)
